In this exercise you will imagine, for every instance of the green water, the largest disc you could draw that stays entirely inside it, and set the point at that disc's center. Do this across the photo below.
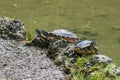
(90, 19)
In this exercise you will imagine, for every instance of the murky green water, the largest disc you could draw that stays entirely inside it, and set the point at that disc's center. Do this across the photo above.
(90, 19)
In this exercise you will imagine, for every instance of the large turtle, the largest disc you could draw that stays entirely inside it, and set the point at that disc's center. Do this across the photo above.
(57, 35)
(51, 37)
(86, 47)
(64, 34)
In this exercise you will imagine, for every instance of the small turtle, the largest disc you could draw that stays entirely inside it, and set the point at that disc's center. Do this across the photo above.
(43, 35)
(57, 35)
(64, 34)
(86, 47)
(57, 38)
(42, 39)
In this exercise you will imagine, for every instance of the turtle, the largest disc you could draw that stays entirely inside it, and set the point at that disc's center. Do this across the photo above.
(57, 35)
(54, 37)
(41, 39)
(64, 34)
(86, 47)
(44, 35)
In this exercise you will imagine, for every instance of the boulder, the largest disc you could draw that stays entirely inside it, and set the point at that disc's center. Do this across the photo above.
(12, 29)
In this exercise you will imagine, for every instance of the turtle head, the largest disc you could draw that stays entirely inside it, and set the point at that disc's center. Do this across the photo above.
(45, 33)
(42, 32)
(93, 43)
(38, 32)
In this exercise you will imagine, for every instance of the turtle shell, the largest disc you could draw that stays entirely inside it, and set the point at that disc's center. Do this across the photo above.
(84, 44)
(69, 36)
(43, 35)
(86, 47)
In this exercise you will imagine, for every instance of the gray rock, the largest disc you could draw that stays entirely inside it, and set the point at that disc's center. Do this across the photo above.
(117, 70)
(18, 62)
(12, 29)
(102, 59)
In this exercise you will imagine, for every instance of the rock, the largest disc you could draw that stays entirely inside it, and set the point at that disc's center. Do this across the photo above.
(37, 42)
(96, 63)
(102, 59)
(18, 62)
(56, 48)
(98, 59)
(113, 69)
(59, 43)
(117, 70)
(59, 60)
(12, 29)
(69, 50)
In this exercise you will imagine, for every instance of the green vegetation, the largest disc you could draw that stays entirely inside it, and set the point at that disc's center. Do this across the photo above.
(28, 36)
(98, 71)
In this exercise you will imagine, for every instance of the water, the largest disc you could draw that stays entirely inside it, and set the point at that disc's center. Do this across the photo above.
(90, 19)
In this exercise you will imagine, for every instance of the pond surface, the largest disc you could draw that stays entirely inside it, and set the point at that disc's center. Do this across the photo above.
(90, 19)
